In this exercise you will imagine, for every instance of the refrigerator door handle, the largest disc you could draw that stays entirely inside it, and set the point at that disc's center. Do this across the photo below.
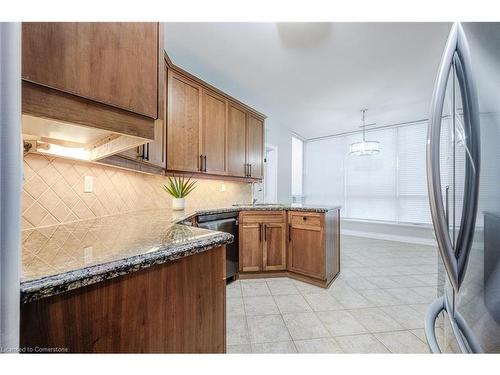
(439, 219)
(457, 52)
(473, 155)
(463, 333)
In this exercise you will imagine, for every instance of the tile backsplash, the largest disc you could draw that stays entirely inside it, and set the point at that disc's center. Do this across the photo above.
(53, 191)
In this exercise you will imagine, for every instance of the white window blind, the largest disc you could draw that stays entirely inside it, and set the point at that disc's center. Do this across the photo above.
(370, 186)
(389, 186)
(412, 200)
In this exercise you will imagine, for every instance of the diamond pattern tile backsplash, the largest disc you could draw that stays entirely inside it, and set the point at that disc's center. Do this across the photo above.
(53, 192)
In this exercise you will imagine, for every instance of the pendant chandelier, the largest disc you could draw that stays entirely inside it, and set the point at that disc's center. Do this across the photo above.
(365, 147)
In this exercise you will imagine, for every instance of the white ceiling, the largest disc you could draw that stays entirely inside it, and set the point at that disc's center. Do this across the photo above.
(315, 77)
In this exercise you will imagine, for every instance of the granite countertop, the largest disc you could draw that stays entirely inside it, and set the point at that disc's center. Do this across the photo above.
(190, 213)
(68, 256)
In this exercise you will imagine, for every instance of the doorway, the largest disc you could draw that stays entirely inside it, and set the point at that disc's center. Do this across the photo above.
(271, 174)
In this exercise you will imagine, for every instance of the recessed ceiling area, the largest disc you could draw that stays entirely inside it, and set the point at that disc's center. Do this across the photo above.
(314, 78)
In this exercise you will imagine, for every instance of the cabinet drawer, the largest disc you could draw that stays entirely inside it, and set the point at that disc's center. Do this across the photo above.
(310, 219)
(262, 217)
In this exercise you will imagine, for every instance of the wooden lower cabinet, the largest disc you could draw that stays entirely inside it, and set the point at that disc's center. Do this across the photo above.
(300, 244)
(274, 247)
(250, 238)
(177, 307)
(306, 251)
(262, 241)
(314, 245)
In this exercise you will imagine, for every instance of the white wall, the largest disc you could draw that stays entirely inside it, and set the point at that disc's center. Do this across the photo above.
(281, 137)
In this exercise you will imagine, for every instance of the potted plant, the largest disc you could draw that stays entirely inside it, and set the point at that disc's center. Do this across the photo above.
(179, 188)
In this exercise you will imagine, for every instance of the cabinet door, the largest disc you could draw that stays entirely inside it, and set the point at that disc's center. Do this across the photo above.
(306, 251)
(183, 124)
(114, 63)
(250, 243)
(213, 133)
(255, 146)
(274, 247)
(236, 141)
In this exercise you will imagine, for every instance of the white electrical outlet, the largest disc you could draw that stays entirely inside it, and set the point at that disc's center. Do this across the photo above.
(87, 255)
(223, 187)
(88, 184)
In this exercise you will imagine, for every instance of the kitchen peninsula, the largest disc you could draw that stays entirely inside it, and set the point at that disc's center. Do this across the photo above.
(144, 282)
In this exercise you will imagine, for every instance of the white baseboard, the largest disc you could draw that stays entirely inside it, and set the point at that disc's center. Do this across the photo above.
(390, 237)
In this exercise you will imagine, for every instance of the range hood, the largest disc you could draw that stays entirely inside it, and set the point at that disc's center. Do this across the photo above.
(69, 140)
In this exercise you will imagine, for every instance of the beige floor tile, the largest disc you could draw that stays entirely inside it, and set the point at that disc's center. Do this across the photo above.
(304, 326)
(234, 306)
(282, 286)
(236, 330)
(239, 349)
(402, 342)
(361, 283)
(233, 290)
(260, 305)
(420, 333)
(323, 302)
(375, 320)
(341, 323)
(407, 295)
(323, 345)
(305, 288)
(274, 347)
(252, 288)
(379, 297)
(267, 328)
(292, 303)
(361, 344)
(349, 298)
(406, 316)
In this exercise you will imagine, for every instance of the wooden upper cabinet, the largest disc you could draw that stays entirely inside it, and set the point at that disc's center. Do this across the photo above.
(236, 141)
(213, 133)
(255, 146)
(111, 63)
(183, 124)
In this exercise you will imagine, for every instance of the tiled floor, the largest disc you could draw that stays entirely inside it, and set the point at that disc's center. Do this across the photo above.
(376, 305)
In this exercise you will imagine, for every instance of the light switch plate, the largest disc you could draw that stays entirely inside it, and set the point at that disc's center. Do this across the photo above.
(223, 187)
(88, 184)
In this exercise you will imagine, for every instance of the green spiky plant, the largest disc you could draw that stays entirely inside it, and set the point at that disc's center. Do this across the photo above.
(179, 187)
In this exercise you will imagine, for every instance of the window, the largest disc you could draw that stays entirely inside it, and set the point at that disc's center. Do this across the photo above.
(389, 186)
(297, 168)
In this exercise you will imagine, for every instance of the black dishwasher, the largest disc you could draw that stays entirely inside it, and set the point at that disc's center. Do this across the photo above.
(224, 222)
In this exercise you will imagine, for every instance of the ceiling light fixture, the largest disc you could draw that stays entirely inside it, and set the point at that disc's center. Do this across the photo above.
(365, 147)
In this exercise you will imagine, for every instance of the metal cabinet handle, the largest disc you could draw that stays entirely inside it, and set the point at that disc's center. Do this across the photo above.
(456, 52)
(265, 232)
(204, 163)
(201, 163)
(250, 168)
(289, 232)
(260, 232)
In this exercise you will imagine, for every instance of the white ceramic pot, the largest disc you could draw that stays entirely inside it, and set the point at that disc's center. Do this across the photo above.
(178, 204)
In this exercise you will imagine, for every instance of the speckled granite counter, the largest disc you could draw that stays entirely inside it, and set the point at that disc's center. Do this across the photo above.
(190, 213)
(65, 257)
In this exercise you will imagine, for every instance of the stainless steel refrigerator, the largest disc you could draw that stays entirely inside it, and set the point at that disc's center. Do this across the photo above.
(463, 176)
